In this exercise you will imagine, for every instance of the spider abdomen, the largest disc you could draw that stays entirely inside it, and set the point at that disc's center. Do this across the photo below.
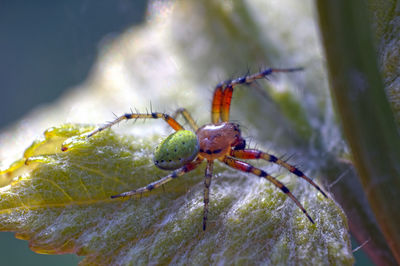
(176, 150)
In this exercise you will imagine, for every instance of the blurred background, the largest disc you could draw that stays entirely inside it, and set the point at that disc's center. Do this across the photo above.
(47, 47)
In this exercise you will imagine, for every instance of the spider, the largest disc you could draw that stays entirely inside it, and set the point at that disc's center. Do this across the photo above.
(184, 150)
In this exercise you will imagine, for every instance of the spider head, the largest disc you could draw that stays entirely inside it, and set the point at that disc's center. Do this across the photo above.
(239, 142)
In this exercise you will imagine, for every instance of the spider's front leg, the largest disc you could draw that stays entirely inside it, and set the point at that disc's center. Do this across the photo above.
(256, 154)
(248, 168)
(179, 172)
(155, 115)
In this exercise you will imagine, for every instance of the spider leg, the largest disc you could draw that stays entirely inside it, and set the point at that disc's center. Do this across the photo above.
(179, 172)
(248, 168)
(188, 118)
(171, 122)
(217, 103)
(256, 154)
(226, 102)
(223, 92)
(207, 184)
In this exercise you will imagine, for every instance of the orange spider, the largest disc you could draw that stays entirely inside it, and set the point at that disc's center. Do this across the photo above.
(220, 140)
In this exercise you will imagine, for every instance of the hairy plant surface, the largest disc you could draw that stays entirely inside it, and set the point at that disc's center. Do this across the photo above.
(62, 205)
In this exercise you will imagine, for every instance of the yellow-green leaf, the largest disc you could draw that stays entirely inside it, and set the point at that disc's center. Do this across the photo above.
(61, 204)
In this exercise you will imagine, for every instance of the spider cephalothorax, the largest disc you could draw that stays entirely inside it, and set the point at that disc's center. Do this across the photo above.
(216, 140)
(184, 150)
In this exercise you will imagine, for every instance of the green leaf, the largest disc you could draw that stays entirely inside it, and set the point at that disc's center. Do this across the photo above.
(368, 121)
(62, 205)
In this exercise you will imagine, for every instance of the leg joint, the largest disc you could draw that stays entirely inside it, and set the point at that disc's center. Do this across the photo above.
(272, 158)
(297, 172)
(285, 189)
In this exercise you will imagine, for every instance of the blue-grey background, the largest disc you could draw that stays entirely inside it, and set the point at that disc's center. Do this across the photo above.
(46, 47)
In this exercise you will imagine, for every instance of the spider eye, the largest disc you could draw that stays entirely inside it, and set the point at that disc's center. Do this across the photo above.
(176, 150)
(236, 127)
(241, 145)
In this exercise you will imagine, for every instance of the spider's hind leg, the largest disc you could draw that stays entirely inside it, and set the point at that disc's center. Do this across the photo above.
(179, 172)
(155, 115)
(188, 118)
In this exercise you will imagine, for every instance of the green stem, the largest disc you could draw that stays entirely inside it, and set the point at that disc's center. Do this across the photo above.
(367, 119)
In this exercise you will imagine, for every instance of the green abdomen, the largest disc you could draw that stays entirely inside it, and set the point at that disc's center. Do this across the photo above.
(176, 150)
